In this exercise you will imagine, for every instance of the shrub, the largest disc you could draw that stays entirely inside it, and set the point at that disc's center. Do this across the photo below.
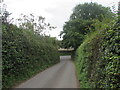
(24, 54)
(98, 60)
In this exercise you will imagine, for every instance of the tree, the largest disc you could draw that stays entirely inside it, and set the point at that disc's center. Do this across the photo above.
(5, 16)
(89, 11)
(81, 23)
(74, 31)
(36, 24)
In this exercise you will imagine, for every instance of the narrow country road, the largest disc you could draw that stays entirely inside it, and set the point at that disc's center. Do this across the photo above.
(61, 75)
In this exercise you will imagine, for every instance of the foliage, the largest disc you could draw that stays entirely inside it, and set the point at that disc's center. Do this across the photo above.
(82, 61)
(37, 24)
(110, 77)
(89, 11)
(80, 23)
(75, 30)
(25, 53)
(98, 58)
(5, 17)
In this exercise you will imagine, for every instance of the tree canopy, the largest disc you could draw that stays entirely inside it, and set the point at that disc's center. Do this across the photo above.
(89, 11)
(81, 23)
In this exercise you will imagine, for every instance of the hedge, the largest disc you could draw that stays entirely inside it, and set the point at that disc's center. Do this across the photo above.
(98, 60)
(24, 54)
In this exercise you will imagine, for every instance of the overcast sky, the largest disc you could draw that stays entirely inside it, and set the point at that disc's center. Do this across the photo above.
(56, 12)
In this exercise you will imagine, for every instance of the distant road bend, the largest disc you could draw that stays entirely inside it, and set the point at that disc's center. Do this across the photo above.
(61, 75)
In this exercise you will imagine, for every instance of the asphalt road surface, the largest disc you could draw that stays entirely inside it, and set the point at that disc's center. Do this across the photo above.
(61, 75)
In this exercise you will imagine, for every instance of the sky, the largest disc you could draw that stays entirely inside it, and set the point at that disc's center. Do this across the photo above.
(56, 12)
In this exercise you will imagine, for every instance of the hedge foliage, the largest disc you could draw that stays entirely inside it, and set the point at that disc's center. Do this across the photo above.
(98, 59)
(24, 54)
(109, 63)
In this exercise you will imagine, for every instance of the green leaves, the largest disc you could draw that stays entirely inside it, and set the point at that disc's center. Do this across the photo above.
(89, 11)
(33, 23)
(86, 18)
(74, 32)
(25, 53)
(99, 56)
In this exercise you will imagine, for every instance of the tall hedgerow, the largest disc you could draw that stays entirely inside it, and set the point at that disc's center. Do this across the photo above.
(98, 57)
(25, 52)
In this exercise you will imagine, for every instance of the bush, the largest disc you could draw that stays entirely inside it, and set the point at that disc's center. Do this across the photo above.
(24, 54)
(98, 60)
(83, 62)
(110, 60)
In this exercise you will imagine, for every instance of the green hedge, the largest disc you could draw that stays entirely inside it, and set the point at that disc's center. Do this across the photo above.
(24, 54)
(98, 60)
(109, 63)
(82, 61)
